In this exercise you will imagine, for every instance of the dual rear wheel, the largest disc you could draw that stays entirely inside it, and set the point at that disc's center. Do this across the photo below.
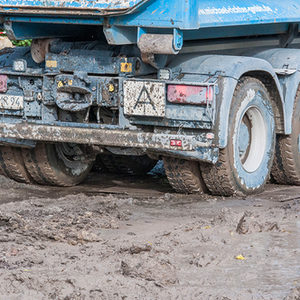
(12, 164)
(64, 164)
(46, 164)
(245, 164)
(286, 167)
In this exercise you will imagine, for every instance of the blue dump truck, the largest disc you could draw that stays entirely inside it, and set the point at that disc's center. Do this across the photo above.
(212, 87)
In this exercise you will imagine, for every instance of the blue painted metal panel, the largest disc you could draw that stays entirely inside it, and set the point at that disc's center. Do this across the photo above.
(192, 16)
(196, 14)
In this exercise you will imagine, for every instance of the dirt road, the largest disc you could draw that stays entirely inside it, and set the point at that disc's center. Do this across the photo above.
(132, 238)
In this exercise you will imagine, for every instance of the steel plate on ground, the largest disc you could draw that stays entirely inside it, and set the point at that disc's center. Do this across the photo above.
(11, 102)
(144, 98)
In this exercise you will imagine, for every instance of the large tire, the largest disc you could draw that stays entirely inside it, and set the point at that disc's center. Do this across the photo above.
(127, 164)
(286, 167)
(244, 165)
(12, 164)
(57, 164)
(184, 176)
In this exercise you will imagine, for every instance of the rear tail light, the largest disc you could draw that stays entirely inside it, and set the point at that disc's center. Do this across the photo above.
(190, 94)
(3, 83)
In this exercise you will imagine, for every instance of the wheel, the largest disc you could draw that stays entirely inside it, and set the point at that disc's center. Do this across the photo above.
(12, 164)
(127, 164)
(184, 176)
(244, 165)
(286, 167)
(58, 164)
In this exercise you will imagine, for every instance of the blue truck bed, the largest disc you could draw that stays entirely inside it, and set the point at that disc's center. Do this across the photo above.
(121, 19)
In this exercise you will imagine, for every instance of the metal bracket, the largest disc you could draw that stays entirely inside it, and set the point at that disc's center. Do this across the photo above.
(9, 30)
(177, 39)
(117, 35)
(287, 38)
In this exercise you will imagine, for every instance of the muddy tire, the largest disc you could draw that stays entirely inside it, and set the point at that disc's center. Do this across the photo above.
(125, 164)
(244, 165)
(12, 164)
(286, 167)
(57, 164)
(184, 176)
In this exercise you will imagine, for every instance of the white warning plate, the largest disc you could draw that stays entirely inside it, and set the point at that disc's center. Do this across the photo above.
(144, 98)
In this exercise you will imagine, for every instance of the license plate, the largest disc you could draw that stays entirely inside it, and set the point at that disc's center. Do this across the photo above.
(11, 102)
(144, 98)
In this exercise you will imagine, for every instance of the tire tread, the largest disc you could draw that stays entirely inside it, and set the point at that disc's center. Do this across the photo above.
(284, 169)
(13, 166)
(184, 176)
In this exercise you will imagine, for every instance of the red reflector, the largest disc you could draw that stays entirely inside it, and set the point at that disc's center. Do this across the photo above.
(176, 143)
(210, 136)
(190, 94)
(3, 83)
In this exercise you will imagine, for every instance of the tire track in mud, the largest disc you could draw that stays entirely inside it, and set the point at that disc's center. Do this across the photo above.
(128, 238)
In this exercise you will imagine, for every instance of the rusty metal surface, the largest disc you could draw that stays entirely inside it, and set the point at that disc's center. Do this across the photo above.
(103, 137)
(157, 43)
(70, 7)
(74, 3)
(39, 49)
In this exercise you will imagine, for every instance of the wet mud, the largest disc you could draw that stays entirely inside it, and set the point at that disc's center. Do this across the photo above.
(117, 237)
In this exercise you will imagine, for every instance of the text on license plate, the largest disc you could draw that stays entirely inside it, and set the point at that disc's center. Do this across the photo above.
(11, 102)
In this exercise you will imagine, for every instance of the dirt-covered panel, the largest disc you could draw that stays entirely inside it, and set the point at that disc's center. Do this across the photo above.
(104, 4)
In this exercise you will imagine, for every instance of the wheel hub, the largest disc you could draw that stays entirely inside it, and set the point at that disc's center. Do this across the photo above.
(244, 138)
(252, 139)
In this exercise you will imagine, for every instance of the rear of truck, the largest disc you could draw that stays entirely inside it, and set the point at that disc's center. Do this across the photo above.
(136, 81)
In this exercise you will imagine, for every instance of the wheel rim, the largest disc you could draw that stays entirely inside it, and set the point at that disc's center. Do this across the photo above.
(252, 138)
(73, 157)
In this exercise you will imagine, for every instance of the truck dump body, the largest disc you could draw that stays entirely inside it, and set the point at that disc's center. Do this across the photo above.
(196, 19)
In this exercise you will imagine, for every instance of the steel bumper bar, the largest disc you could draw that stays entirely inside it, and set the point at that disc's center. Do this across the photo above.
(101, 137)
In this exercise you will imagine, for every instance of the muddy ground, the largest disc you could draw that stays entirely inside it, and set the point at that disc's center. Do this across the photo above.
(117, 237)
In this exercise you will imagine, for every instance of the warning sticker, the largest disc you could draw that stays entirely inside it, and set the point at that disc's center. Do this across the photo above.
(143, 98)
